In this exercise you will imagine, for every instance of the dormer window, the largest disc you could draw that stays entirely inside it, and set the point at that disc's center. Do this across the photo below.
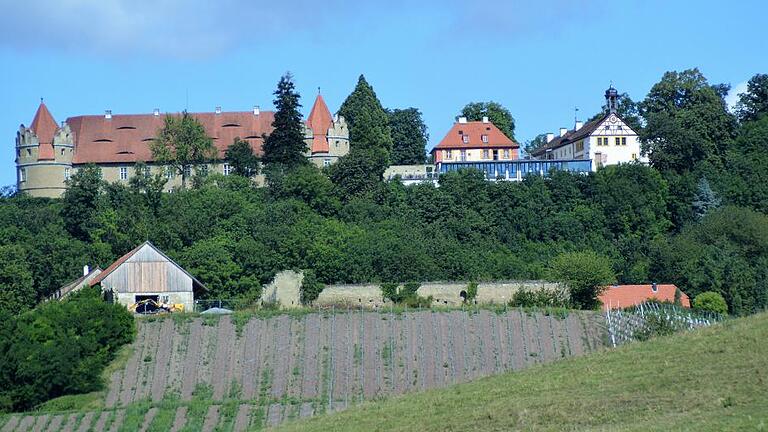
(102, 140)
(465, 138)
(228, 125)
(484, 138)
(126, 128)
(62, 152)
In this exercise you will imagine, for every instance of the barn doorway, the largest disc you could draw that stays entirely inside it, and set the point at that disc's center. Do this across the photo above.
(463, 295)
(147, 304)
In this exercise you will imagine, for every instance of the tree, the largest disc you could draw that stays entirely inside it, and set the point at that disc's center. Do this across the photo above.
(182, 143)
(496, 113)
(754, 102)
(627, 109)
(81, 201)
(538, 141)
(746, 165)
(359, 172)
(409, 135)
(368, 122)
(687, 122)
(17, 292)
(705, 200)
(585, 273)
(310, 287)
(285, 146)
(242, 160)
(712, 302)
(149, 186)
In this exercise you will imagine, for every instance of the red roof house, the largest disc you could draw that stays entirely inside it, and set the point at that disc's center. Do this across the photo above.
(622, 296)
(475, 141)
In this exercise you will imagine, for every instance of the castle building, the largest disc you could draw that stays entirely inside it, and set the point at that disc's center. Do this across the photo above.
(48, 153)
(606, 140)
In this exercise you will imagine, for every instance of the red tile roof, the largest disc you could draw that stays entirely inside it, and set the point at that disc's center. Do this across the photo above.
(474, 130)
(621, 296)
(126, 138)
(320, 120)
(45, 127)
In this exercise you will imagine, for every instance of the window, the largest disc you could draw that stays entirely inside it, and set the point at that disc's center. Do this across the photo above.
(634, 156)
(623, 141)
(226, 169)
(485, 154)
(450, 154)
(617, 141)
(147, 172)
(66, 173)
(326, 162)
(187, 171)
(62, 152)
(169, 172)
(22, 175)
(484, 138)
(465, 138)
(579, 146)
(29, 152)
(506, 153)
(463, 155)
(123, 173)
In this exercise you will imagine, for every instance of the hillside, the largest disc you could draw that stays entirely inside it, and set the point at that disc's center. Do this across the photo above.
(249, 372)
(711, 379)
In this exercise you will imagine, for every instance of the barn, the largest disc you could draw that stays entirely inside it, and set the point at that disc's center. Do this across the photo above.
(145, 273)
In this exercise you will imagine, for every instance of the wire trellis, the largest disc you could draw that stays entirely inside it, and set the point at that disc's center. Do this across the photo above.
(625, 325)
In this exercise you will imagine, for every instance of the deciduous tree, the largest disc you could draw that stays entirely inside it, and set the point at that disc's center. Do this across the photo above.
(754, 101)
(496, 113)
(242, 160)
(182, 143)
(409, 135)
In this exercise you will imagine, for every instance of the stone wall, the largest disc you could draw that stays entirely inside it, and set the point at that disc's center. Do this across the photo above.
(285, 289)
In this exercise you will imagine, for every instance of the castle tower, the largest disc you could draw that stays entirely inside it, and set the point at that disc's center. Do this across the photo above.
(44, 154)
(327, 136)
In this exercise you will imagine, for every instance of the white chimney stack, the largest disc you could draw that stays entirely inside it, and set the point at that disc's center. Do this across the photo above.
(256, 110)
(86, 270)
(550, 136)
(218, 110)
(485, 119)
(462, 119)
(563, 131)
(579, 124)
(107, 114)
(156, 112)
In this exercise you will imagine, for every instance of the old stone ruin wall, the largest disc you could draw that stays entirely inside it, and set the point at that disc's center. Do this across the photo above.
(285, 290)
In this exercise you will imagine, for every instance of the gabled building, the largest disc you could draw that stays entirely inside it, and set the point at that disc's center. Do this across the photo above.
(47, 153)
(145, 273)
(607, 140)
(475, 141)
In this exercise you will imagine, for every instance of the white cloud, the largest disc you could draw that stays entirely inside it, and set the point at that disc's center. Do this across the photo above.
(733, 96)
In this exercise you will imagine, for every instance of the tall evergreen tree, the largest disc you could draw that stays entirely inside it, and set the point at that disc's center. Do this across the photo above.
(409, 136)
(285, 146)
(368, 122)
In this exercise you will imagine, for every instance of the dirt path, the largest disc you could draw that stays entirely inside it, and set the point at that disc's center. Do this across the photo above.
(69, 426)
(117, 421)
(242, 418)
(11, 425)
(189, 365)
(101, 422)
(40, 423)
(159, 381)
(180, 419)
(25, 424)
(56, 422)
(85, 422)
(211, 418)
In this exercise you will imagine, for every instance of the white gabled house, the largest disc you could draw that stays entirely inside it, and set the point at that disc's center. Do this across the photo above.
(607, 140)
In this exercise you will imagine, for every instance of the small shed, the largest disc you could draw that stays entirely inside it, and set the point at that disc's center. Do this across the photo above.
(84, 280)
(145, 273)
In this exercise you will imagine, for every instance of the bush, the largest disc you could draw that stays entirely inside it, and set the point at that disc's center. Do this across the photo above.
(711, 301)
(540, 298)
(586, 274)
(60, 348)
(406, 296)
(471, 292)
(310, 287)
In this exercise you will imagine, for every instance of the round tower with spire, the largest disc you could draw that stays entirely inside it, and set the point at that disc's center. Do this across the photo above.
(44, 153)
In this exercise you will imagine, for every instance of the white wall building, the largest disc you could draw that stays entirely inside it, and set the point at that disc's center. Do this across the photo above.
(607, 140)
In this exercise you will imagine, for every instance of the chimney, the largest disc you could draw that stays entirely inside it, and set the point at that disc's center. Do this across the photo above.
(218, 110)
(485, 119)
(462, 119)
(107, 114)
(256, 110)
(563, 131)
(654, 287)
(156, 112)
(579, 124)
(86, 270)
(550, 136)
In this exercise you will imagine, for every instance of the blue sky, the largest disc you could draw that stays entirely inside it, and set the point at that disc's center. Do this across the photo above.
(539, 59)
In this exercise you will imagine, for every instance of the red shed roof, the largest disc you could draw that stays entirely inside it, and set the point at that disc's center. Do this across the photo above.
(320, 120)
(474, 132)
(621, 296)
(45, 127)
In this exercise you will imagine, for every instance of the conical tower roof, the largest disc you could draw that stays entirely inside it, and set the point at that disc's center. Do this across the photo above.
(44, 125)
(320, 120)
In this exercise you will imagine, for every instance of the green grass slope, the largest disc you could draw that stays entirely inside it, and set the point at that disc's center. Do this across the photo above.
(713, 379)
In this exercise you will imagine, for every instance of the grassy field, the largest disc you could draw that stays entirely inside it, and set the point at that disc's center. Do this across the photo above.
(714, 379)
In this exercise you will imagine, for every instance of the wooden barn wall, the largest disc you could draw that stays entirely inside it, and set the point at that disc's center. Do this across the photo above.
(148, 272)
